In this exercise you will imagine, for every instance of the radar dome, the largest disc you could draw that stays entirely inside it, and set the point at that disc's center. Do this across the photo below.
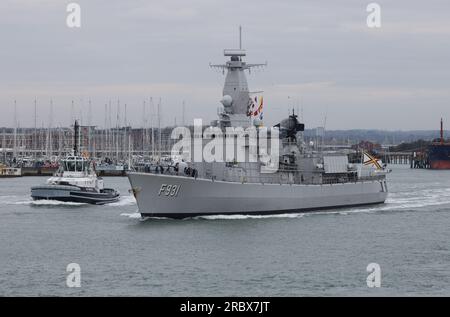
(257, 122)
(227, 101)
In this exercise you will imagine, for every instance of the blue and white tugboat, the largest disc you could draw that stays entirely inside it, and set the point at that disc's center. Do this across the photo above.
(75, 181)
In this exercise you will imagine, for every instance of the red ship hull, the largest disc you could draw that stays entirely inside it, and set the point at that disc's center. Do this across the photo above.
(440, 165)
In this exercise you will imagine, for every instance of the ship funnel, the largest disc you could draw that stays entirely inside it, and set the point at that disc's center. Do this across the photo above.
(75, 138)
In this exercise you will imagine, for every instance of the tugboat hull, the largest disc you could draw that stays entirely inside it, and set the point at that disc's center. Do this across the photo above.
(74, 194)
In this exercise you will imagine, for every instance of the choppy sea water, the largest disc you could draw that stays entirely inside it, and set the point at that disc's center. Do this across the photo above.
(321, 253)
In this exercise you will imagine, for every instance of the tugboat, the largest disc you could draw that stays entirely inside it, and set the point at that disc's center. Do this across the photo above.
(75, 181)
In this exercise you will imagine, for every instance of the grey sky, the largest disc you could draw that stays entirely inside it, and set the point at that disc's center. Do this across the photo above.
(319, 52)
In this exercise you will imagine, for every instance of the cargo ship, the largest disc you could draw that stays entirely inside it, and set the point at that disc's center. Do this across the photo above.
(439, 152)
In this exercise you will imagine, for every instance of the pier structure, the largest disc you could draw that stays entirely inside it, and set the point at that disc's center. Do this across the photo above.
(416, 159)
(396, 157)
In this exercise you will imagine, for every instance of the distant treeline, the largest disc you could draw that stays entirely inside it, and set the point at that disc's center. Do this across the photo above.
(416, 146)
(330, 136)
(375, 136)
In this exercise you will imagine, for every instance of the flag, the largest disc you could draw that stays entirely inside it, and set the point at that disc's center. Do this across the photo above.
(255, 106)
(369, 160)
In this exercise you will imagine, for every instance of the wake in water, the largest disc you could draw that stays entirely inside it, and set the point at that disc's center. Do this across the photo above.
(23, 200)
(49, 203)
(132, 215)
(418, 198)
(137, 215)
(123, 201)
(399, 201)
(26, 200)
(11, 199)
(239, 217)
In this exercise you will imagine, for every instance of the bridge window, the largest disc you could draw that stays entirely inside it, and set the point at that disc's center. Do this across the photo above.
(70, 166)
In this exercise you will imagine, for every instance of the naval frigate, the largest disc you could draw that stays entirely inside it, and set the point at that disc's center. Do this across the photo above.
(305, 178)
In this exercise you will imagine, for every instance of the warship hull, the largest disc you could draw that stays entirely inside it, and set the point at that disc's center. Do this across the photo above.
(182, 197)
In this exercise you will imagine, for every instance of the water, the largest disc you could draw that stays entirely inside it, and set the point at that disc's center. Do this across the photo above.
(324, 253)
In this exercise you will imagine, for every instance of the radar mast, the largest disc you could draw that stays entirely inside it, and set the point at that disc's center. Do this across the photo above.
(236, 94)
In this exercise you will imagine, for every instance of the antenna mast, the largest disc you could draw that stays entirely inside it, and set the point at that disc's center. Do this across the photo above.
(240, 37)
(75, 139)
(15, 128)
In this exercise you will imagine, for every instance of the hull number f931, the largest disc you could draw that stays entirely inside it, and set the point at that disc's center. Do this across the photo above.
(169, 190)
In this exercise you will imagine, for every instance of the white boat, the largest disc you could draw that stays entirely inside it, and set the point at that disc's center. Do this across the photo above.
(6, 171)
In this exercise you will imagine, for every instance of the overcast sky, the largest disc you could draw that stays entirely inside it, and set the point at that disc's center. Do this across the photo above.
(321, 55)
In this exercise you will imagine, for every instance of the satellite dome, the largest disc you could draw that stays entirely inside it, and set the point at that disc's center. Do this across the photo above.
(227, 101)
(257, 122)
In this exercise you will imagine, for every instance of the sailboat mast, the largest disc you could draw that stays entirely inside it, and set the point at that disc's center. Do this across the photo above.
(105, 131)
(159, 129)
(89, 127)
(183, 114)
(143, 127)
(15, 129)
(125, 131)
(117, 131)
(109, 139)
(50, 126)
(35, 128)
(152, 110)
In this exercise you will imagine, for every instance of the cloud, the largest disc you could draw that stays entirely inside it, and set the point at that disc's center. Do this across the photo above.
(158, 11)
(321, 52)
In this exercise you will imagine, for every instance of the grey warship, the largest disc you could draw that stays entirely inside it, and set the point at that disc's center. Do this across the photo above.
(305, 178)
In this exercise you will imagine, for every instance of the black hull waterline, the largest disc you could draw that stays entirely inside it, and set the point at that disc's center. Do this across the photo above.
(74, 194)
(255, 213)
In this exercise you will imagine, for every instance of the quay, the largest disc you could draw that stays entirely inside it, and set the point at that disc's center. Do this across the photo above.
(413, 159)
